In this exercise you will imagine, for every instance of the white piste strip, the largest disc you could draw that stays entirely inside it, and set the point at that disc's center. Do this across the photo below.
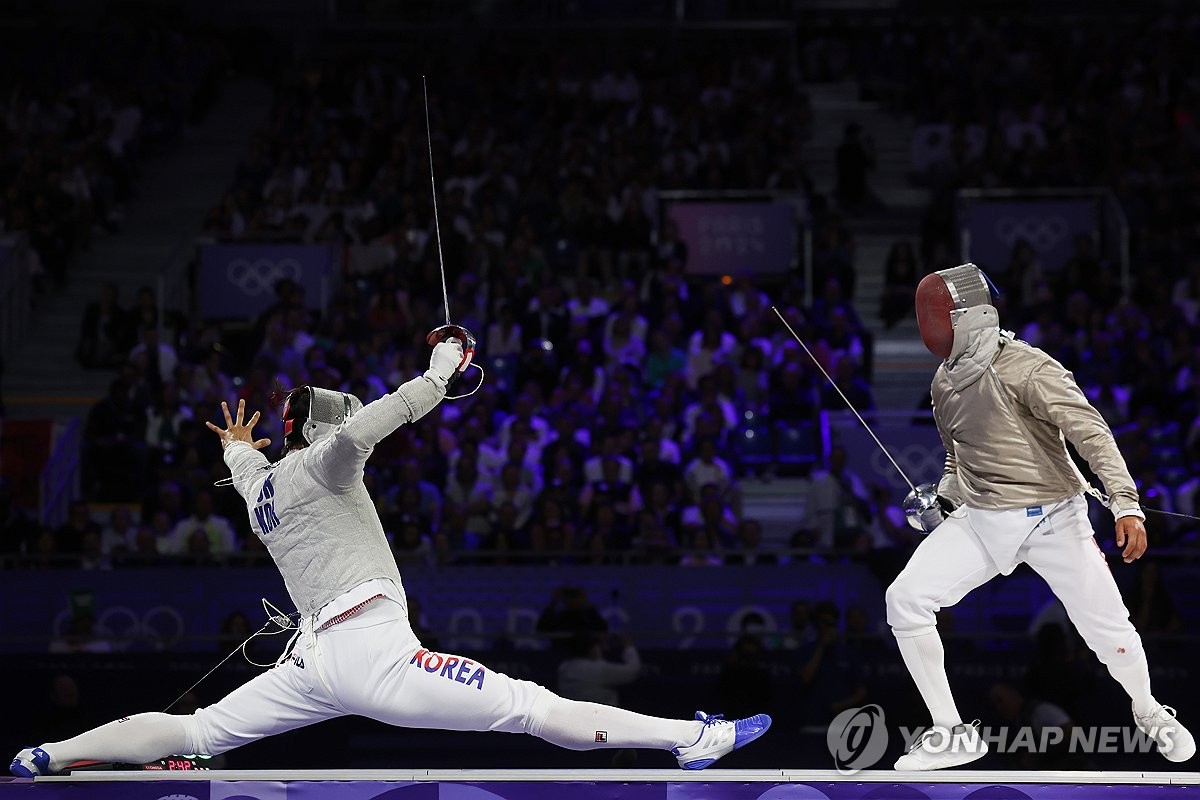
(641, 776)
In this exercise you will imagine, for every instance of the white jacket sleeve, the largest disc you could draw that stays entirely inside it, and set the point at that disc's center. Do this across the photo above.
(337, 461)
(244, 462)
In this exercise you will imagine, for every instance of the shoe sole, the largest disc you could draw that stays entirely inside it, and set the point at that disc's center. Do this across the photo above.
(973, 757)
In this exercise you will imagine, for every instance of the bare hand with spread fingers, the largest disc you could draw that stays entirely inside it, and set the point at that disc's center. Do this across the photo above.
(238, 431)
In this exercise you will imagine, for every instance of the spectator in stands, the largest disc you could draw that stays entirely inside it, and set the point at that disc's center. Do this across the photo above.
(663, 360)
(831, 675)
(585, 674)
(701, 547)
(709, 402)
(711, 345)
(749, 550)
(70, 536)
(854, 388)
(470, 491)
(216, 530)
(1048, 752)
(104, 337)
(622, 346)
(842, 340)
(112, 453)
(801, 631)
(510, 490)
(411, 545)
(120, 535)
(708, 468)
(164, 419)
(157, 359)
(841, 505)
(554, 529)
(570, 613)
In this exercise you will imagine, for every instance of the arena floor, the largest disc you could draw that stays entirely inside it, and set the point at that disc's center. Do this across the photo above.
(602, 784)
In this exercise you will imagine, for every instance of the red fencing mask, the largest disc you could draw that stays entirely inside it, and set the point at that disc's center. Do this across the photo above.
(942, 292)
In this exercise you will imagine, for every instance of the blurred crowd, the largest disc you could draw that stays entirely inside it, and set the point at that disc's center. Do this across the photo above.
(75, 126)
(611, 425)
(594, 437)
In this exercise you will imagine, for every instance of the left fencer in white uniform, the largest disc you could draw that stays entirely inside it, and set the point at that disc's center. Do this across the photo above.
(1011, 494)
(355, 652)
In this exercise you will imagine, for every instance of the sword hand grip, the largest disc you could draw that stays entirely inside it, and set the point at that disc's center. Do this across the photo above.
(444, 332)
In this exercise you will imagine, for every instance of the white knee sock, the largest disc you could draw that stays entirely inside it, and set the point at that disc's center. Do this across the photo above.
(586, 726)
(1133, 673)
(926, 662)
(133, 740)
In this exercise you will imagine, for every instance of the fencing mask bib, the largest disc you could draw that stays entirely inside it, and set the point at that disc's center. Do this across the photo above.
(326, 409)
(943, 299)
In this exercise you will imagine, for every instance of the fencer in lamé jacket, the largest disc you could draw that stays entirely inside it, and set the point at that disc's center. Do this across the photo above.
(1002, 410)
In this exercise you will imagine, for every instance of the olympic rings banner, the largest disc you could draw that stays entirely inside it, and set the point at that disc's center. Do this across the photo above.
(469, 608)
(1050, 227)
(238, 280)
(911, 439)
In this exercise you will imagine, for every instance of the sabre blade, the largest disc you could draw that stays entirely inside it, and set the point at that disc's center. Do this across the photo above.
(850, 405)
(437, 230)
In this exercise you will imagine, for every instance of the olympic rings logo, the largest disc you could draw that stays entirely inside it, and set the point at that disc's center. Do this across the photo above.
(1041, 232)
(163, 625)
(917, 461)
(260, 275)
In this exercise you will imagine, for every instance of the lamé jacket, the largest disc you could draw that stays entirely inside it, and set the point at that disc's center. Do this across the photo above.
(1003, 414)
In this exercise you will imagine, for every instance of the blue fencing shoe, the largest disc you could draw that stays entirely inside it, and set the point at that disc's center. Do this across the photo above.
(718, 737)
(30, 763)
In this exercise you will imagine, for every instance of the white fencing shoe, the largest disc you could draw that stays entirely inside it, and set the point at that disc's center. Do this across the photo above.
(719, 737)
(1174, 741)
(940, 747)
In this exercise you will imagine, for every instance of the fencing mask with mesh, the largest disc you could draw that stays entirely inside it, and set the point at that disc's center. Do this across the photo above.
(310, 414)
(944, 300)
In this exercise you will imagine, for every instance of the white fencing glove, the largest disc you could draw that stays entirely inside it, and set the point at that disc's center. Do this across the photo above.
(444, 362)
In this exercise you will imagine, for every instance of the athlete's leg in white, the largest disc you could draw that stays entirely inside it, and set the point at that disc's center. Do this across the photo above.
(282, 698)
(131, 740)
(1071, 562)
(387, 676)
(943, 569)
(285, 697)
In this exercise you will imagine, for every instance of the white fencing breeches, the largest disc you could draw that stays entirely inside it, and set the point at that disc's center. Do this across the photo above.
(370, 665)
(952, 561)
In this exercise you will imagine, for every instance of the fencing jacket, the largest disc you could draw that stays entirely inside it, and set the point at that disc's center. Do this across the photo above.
(1003, 427)
(312, 510)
